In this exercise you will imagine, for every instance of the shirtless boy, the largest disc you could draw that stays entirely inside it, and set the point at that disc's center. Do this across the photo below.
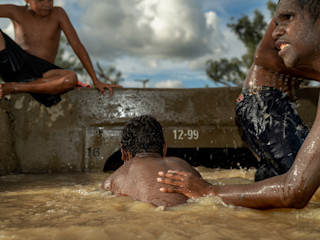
(26, 65)
(296, 34)
(143, 151)
(266, 109)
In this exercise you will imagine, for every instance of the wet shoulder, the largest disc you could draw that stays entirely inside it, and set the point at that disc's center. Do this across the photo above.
(175, 161)
(144, 162)
(148, 166)
(153, 165)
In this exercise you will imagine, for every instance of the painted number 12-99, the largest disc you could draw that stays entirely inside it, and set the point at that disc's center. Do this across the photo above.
(185, 134)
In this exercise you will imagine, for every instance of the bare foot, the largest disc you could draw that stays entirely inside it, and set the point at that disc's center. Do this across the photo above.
(6, 88)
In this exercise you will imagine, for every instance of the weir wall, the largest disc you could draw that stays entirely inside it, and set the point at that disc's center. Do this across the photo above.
(82, 132)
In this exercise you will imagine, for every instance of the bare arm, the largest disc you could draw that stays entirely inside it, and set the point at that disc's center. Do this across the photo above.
(292, 189)
(8, 10)
(80, 51)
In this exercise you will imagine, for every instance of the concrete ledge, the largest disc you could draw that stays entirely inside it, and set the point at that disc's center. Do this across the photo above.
(83, 131)
(8, 161)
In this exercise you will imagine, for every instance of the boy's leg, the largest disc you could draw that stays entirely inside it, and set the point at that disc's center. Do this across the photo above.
(282, 137)
(55, 81)
(2, 42)
(270, 124)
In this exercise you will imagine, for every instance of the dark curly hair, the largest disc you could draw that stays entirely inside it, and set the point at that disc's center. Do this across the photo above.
(311, 6)
(142, 134)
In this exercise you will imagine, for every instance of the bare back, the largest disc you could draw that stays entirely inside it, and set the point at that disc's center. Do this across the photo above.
(137, 179)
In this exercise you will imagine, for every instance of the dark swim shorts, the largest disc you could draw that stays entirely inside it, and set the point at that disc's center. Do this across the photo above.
(271, 127)
(16, 65)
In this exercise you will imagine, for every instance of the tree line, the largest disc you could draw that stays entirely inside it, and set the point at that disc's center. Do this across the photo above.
(232, 72)
(228, 72)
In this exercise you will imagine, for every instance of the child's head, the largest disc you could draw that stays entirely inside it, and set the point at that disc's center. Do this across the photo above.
(297, 33)
(310, 6)
(40, 7)
(143, 134)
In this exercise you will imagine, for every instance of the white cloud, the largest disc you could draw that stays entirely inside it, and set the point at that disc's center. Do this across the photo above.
(9, 30)
(148, 38)
(169, 84)
(150, 28)
(132, 84)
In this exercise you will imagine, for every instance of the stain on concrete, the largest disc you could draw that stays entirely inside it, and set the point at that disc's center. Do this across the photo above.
(19, 103)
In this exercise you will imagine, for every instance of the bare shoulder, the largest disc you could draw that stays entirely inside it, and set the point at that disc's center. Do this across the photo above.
(11, 11)
(59, 12)
(140, 162)
(177, 160)
(145, 165)
(120, 174)
(176, 163)
(153, 165)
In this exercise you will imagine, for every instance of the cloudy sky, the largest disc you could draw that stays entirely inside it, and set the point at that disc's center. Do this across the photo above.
(165, 41)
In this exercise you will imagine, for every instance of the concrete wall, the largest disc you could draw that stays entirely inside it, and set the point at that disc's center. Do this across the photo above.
(8, 161)
(83, 131)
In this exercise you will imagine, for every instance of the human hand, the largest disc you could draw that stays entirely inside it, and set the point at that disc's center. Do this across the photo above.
(102, 86)
(183, 182)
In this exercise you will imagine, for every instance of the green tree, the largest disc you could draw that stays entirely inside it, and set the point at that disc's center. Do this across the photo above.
(250, 32)
(272, 8)
(225, 71)
(111, 76)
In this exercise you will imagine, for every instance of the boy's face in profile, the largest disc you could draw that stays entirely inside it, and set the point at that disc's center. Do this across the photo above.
(297, 35)
(40, 7)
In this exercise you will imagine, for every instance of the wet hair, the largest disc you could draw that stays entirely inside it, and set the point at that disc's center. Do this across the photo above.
(142, 134)
(311, 6)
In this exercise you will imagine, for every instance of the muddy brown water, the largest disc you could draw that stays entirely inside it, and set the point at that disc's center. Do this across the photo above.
(73, 206)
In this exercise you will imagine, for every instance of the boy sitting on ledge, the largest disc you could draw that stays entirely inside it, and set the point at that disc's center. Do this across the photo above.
(26, 64)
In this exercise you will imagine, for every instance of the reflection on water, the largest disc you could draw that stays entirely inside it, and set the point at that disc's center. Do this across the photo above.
(72, 206)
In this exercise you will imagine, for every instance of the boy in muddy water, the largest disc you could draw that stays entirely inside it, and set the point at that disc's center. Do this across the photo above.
(26, 64)
(266, 108)
(143, 150)
(295, 31)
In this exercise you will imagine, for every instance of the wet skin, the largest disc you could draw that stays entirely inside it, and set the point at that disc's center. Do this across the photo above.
(37, 30)
(297, 43)
(290, 190)
(269, 69)
(294, 188)
(135, 178)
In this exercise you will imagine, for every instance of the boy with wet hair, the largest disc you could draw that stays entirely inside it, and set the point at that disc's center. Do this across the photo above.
(142, 134)
(143, 151)
(26, 64)
(311, 6)
(266, 108)
(296, 36)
